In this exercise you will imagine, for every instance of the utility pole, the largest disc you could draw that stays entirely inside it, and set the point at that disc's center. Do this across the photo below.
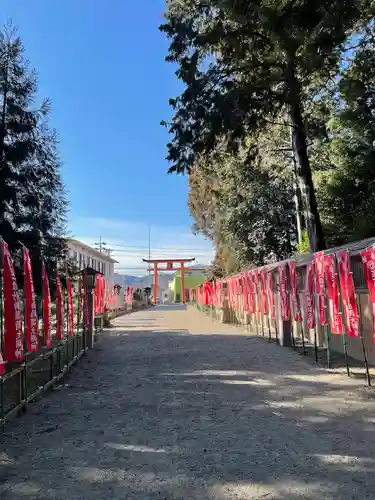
(101, 244)
(149, 248)
(101, 247)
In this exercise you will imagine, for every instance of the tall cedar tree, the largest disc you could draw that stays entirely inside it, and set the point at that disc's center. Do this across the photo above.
(242, 62)
(32, 199)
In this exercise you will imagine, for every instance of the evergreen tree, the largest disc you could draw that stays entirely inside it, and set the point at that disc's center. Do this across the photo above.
(32, 199)
(243, 63)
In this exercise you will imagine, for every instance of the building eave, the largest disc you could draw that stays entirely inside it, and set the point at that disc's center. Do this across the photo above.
(95, 252)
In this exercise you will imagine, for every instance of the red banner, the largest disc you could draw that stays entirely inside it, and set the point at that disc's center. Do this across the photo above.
(348, 294)
(262, 279)
(284, 302)
(70, 309)
(256, 289)
(31, 315)
(368, 261)
(2, 364)
(294, 295)
(250, 280)
(245, 293)
(309, 297)
(99, 295)
(59, 310)
(270, 296)
(46, 308)
(13, 335)
(333, 295)
(86, 302)
(320, 287)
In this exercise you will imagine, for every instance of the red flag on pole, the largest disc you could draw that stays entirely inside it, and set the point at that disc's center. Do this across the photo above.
(31, 316)
(348, 294)
(2, 364)
(70, 309)
(13, 335)
(81, 301)
(284, 302)
(309, 297)
(294, 295)
(368, 261)
(46, 308)
(333, 295)
(59, 310)
(251, 292)
(245, 293)
(87, 319)
(320, 287)
(262, 282)
(256, 289)
(270, 296)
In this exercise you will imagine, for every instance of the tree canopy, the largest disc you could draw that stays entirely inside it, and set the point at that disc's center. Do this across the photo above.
(274, 90)
(32, 196)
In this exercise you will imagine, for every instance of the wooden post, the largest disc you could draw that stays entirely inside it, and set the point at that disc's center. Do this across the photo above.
(155, 281)
(183, 297)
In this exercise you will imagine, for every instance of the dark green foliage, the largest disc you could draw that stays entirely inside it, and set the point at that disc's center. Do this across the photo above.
(32, 198)
(243, 63)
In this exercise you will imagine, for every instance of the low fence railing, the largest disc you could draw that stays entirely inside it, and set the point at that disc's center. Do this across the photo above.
(322, 304)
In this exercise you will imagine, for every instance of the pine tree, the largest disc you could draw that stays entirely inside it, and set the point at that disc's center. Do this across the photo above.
(243, 63)
(32, 199)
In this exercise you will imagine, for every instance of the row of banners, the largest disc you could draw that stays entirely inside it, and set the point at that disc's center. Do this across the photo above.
(322, 279)
(15, 340)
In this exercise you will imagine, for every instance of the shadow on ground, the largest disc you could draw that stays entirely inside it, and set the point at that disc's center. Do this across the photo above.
(170, 415)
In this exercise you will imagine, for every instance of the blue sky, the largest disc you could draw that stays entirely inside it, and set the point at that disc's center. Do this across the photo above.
(104, 70)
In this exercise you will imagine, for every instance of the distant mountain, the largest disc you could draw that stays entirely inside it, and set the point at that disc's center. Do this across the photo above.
(126, 280)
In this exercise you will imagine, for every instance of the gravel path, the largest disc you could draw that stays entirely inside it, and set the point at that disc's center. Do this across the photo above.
(171, 405)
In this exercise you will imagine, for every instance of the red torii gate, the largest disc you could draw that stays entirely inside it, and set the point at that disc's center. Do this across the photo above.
(170, 267)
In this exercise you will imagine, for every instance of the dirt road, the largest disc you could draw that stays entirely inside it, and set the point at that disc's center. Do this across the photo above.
(170, 405)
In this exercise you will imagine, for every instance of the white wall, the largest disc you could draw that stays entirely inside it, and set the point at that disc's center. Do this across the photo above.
(83, 256)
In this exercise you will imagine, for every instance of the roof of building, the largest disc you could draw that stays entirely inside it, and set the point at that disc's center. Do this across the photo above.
(100, 255)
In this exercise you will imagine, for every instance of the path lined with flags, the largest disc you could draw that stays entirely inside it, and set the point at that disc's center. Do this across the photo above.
(172, 405)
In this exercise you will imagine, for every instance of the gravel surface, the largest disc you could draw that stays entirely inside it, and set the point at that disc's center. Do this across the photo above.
(171, 405)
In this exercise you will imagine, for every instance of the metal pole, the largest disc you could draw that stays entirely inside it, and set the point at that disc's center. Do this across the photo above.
(78, 313)
(316, 345)
(276, 329)
(1, 300)
(149, 249)
(269, 327)
(362, 339)
(344, 341)
(292, 333)
(303, 339)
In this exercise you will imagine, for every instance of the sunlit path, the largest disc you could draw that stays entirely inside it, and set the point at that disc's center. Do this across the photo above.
(171, 405)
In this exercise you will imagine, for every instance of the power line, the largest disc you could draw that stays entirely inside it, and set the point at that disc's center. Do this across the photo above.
(171, 249)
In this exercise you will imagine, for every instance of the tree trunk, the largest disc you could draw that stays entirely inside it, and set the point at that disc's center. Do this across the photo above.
(297, 194)
(3, 134)
(304, 175)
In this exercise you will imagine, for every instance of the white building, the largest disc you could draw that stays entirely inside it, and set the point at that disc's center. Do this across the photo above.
(85, 256)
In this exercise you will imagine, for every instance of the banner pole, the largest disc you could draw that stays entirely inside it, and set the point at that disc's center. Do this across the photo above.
(344, 341)
(362, 339)
(276, 329)
(262, 321)
(25, 370)
(316, 346)
(2, 342)
(326, 335)
(269, 327)
(2, 407)
(256, 314)
(292, 332)
(303, 339)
